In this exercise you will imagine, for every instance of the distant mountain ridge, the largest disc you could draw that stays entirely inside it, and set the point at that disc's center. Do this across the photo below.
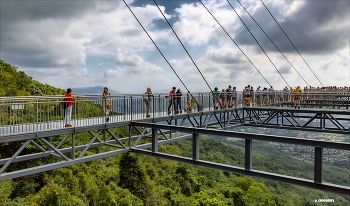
(92, 90)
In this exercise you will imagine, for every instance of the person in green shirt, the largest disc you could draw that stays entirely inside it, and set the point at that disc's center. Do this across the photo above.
(216, 95)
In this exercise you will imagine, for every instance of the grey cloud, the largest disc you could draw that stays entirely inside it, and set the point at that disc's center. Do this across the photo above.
(210, 69)
(241, 67)
(226, 58)
(32, 32)
(303, 27)
(36, 10)
(285, 70)
(132, 32)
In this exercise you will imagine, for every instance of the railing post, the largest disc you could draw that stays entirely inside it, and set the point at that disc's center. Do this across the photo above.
(154, 140)
(318, 165)
(195, 145)
(124, 108)
(75, 111)
(37, 114)
(248, 153)
(130, 136)
(131, 108)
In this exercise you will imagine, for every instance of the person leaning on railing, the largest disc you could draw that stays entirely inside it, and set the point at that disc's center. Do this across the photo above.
(68, 102)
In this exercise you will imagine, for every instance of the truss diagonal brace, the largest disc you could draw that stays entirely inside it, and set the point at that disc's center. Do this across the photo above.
(14, 156)
(54, 149)
(91, 142)
(116, 139)
(42, 149)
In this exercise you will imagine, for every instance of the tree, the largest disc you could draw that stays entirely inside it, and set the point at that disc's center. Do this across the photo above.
(133, 176)
(257, 195)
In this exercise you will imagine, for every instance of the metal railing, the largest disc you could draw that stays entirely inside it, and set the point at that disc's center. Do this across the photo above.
(38, 113)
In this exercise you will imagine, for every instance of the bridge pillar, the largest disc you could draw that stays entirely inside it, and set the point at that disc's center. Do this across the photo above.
(248, 153)
(73, 146)
(195, 145)
(318, 164)
(154, 140)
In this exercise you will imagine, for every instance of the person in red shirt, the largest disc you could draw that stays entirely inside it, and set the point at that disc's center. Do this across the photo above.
(172, 100)
(69, 101)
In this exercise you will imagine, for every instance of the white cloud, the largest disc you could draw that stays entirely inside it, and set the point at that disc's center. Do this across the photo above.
(80, 73)
(134, 64)
(110, 74)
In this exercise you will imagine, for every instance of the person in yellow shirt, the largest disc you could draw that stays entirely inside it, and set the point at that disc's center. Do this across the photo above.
(297, 95)
(190, 105)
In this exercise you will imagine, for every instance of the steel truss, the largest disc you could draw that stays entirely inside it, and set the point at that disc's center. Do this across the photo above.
(303, 120)
(102, 135)
(153, 132)
(318, 145)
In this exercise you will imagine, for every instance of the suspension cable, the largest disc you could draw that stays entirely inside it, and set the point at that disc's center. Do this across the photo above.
(270, 40)
(215, 98)
(156, 46)
(291, 42)
(236, 44)
(257, 43)
(182, 45)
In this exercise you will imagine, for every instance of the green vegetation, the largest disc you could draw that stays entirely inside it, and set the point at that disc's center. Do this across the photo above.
(132, 179)
(17, 83)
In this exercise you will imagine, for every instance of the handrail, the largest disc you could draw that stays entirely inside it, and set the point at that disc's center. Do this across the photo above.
(37, 113)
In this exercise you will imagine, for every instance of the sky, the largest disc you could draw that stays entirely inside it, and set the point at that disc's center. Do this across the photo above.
(86, 43)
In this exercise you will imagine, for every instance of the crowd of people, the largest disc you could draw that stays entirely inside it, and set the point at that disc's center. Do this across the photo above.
(226, 98)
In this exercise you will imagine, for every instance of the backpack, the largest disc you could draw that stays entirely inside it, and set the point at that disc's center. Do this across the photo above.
(64, 104)
(222, 95)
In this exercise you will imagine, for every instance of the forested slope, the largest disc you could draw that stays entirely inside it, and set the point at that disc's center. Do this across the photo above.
(17, 83)
(132, 179)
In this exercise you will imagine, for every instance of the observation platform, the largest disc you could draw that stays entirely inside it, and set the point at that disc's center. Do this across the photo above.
(44, 113)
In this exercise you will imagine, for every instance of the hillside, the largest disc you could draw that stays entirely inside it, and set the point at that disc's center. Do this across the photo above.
(131, 179)
(92, 90)
(17, 83)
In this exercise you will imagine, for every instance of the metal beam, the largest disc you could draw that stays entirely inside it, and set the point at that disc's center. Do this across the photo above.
(57, 165)
(254, 173)
(243, 135)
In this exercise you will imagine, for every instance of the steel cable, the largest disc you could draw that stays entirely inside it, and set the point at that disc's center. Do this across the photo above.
(291, 42)
(257, 43)
(270, 40)
(185, 50)
(199, 106)
(235, 43)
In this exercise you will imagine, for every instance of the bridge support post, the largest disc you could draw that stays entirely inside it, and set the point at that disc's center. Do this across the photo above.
(318, 164)
(195, 145)
(73, 146)
(154, 140)
(248, 153)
